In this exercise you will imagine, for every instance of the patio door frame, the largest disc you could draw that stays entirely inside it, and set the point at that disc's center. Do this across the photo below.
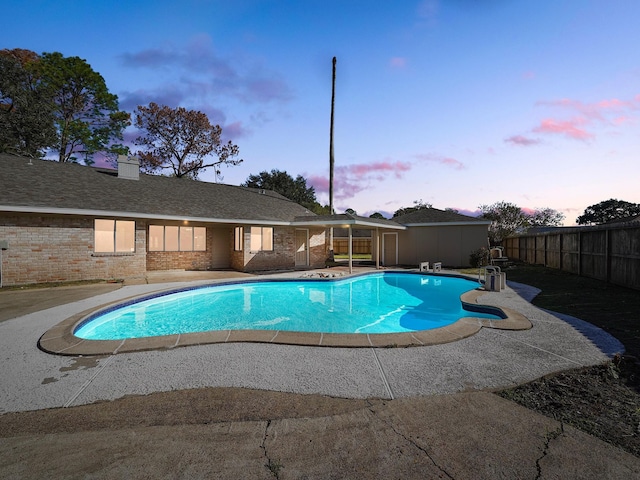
(305, 244)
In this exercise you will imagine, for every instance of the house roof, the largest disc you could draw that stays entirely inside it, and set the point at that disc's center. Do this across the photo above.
(40, 186)
(635, 218)
(433, 216)
(346, 219)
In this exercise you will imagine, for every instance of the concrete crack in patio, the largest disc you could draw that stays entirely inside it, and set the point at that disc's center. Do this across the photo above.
(409, 440)
(549, 437)
(274, 466)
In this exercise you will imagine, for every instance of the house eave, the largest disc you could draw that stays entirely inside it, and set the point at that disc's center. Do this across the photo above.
(141, 215)
(346, 223)
(453, 224)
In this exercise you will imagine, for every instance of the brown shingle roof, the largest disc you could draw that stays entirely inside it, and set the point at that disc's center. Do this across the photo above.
(433, 215)
(40, 185)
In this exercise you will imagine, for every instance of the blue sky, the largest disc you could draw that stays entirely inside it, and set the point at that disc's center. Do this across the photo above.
(457, 103)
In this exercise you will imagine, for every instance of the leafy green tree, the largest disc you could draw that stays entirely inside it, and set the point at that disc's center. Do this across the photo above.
(87, 118)
(181, 141)
(26, 112)
(546, 217)
(608, 210)
(377, 215)
(506, 219)
(417, 205)
(320, 209)
(284, 184)
(351, 211)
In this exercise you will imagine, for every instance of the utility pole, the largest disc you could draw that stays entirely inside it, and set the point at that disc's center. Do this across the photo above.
(331, 159)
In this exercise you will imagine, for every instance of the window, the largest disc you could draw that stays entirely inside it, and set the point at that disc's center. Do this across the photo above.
(199, 239)
(171, 236)
(177, 239)
(186, 239)
(261, 239)
(156, 238)
(238, 239)
(114, 236)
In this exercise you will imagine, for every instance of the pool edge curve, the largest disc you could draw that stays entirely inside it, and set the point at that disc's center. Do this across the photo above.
(60, 340)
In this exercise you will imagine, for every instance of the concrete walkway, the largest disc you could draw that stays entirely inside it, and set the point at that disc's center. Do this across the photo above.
(488, 360)
(394, 439)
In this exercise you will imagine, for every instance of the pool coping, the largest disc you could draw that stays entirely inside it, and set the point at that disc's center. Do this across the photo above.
(60, 340)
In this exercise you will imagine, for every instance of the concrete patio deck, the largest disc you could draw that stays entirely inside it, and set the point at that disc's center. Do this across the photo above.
(488, 359)
(420, 412)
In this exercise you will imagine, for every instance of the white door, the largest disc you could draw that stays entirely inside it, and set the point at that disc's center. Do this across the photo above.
(389, 249)
(302, 248)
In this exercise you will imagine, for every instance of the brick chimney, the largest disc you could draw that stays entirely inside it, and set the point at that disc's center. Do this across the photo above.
(128, 167)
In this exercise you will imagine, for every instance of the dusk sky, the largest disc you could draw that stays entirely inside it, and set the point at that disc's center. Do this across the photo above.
(457, 103)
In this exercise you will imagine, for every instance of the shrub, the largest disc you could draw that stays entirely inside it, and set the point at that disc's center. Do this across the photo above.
(479, 257)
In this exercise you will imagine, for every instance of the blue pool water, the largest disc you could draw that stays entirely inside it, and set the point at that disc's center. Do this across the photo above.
(373, 303)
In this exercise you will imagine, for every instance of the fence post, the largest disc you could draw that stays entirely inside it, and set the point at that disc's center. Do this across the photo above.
(579, 253)
(607, 260)
(561, 251)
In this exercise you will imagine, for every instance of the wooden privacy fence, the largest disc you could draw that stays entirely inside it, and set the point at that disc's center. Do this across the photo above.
(359, 246)
(606, 252)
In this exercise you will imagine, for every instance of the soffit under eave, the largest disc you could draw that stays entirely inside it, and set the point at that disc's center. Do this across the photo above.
(448, 224)
(347, 224)
(136, 215)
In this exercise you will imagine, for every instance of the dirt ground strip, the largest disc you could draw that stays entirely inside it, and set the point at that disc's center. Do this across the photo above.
(238, 433)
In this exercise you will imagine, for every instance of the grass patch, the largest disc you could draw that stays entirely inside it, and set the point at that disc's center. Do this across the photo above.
(74, 283)
(603, 400)
(614, 309)
(355, 256)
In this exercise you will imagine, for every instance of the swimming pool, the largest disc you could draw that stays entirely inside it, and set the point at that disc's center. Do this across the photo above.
(372, 303)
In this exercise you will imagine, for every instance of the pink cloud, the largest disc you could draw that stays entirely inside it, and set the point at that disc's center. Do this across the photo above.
(568, 128)
(364, 170)
(350, 180)
(268, 89)
(201, 71)
(522, 140)
(234, 130)
(442, 160)
(398, 62)
(613, 112)
(613, 103)
(167, 95)
(623, 119)
(318, 182)
(343, 188)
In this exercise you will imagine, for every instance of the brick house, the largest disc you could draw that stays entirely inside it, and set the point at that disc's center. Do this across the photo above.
(67, 222)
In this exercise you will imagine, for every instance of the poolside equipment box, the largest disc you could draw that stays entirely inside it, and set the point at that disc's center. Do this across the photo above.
(494, 278)
(493, 282)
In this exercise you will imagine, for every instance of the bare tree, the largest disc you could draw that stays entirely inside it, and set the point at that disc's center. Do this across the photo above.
(181, 141)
